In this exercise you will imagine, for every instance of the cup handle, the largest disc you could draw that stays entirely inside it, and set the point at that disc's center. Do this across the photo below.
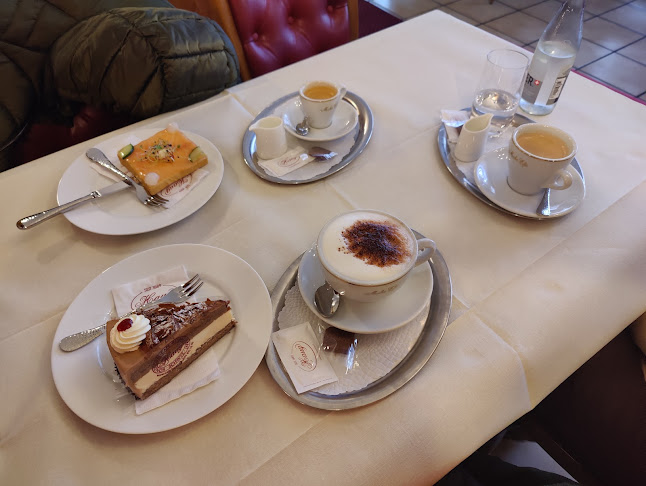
(342, 92)
(428, 250)
(562, 180)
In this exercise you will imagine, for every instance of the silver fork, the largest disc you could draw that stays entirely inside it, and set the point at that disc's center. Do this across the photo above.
(175, 296)
(95, 155)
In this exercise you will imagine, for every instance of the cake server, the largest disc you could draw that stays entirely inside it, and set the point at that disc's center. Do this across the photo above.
(175, 296)
(34, 219)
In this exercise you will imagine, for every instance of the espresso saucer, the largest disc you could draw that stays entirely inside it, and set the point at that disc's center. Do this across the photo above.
(490, 174)
(344, 120)
(387, 314)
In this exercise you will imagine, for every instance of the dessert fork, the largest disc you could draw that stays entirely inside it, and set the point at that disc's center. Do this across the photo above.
(95, 155)
(175, 296)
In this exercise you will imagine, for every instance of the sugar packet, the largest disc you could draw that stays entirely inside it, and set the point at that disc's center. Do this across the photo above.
(300, 354)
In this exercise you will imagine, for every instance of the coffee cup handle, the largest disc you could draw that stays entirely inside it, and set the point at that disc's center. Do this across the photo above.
(428, 250)
(562, 180)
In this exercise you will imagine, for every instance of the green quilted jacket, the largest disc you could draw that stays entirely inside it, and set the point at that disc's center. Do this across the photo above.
(133, 57)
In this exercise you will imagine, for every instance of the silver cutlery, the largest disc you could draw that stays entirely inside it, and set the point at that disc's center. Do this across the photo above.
(543, 208)
(326, 300)
(303, 128)
(34, 219)
(175, 296)
(95, 155)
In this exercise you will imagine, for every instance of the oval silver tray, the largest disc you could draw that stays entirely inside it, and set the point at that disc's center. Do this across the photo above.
(461, 177)
(417, 357)
(361, 139)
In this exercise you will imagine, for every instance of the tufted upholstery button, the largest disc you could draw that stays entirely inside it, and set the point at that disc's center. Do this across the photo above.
(279, 32)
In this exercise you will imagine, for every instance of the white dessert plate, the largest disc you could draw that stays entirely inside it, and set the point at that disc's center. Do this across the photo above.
(490, 174)
(345, 119)
(123, 214)
(83, 378)
(384, 315)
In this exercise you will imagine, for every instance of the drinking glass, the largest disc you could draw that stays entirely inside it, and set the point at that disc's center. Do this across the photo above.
(500, 85)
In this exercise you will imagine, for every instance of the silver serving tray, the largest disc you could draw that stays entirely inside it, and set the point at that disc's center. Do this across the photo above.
(361, 139)
(417, 357)
(461, 177)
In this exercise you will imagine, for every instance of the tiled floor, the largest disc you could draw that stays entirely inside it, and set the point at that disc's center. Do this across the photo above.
(613, 50)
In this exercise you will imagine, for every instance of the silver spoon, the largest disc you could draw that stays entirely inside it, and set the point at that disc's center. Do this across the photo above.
(303, 127)
(543, 208)
(326, 300)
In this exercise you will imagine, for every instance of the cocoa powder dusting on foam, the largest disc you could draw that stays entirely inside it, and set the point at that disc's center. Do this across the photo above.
(376, 243)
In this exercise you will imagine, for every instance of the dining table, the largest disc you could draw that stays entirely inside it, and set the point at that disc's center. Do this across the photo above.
(531, 300)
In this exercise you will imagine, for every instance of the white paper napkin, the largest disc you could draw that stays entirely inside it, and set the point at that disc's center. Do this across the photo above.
(376, 354)
(201, 372)
(177, 191)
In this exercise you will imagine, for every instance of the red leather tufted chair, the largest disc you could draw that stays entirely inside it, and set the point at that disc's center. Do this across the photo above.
(269, 34)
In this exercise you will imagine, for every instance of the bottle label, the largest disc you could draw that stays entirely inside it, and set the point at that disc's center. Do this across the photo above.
(532, 88)
(556, 90)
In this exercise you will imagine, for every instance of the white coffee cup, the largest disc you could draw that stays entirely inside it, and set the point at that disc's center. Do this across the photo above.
(367, 255)
(319, 100)
(271, 141)
(538, 157)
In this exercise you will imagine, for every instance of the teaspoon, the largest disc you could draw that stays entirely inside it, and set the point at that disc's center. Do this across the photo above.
(303, 127)
(543, 208)
(326, 300)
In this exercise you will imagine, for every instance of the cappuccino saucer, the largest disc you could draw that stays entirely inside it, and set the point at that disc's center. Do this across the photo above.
(387, 314)
(490, 174)
(344, 120)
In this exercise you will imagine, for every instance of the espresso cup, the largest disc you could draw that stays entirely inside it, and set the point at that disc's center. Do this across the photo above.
(538, 157)
(319, 100)
(367, 255)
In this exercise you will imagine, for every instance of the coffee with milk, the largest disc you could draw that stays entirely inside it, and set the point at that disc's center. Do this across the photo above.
(367, 247)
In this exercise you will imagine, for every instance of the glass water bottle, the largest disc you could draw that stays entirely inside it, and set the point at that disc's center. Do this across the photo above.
(553, 59)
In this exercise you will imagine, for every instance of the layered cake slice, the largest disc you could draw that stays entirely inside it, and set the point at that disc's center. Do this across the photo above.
(149, 350)
(162, 159)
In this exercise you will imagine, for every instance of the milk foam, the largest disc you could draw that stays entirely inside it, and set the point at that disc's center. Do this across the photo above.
(334, 254)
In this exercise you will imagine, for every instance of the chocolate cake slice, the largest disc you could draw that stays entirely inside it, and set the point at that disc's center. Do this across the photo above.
(178, 335)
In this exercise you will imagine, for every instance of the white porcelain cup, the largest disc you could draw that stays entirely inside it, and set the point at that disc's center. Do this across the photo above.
(319, 100)
(473, 137)
(271, 141)
(538, 157)
(367, 255)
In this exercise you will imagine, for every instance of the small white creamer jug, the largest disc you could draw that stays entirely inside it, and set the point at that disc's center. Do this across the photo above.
(473, 137)
(271, 141)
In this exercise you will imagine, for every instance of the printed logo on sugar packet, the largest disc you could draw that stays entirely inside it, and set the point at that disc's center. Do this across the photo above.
(150, 294)
(289, 161)
(304, 356)
(177, 187)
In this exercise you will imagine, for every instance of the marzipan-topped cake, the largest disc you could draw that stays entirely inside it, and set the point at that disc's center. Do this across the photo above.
(150, 349)
(162, 159)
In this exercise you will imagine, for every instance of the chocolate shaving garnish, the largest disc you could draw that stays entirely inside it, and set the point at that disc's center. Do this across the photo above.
(377, 243)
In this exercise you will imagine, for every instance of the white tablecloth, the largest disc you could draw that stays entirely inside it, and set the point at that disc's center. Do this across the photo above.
(533, 300)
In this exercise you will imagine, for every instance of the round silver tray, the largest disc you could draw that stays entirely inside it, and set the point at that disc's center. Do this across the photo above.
(461, 177)
(361, 139)
(417, 357)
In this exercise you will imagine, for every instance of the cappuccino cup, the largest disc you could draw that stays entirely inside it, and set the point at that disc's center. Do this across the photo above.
(319, 100)
(538, 157)
(367, 255)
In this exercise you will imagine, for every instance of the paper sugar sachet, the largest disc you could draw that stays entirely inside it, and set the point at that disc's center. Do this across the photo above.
(299, 352)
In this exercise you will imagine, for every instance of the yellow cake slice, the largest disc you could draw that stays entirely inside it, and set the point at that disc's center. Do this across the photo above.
(162, 159)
